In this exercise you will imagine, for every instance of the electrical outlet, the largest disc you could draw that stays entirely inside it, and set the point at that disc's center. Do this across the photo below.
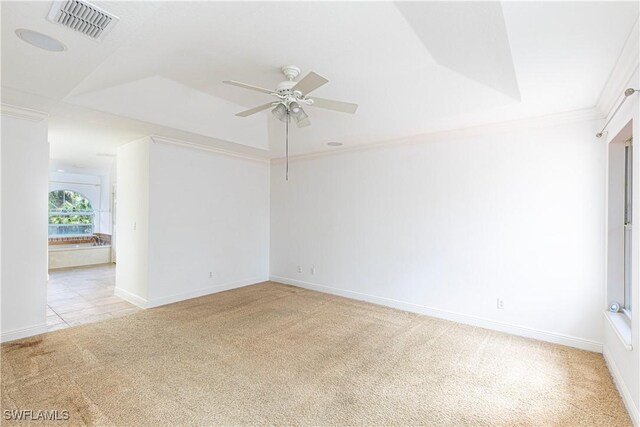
(500, 304)
(211, 275)
(313, 271)
(299, 269)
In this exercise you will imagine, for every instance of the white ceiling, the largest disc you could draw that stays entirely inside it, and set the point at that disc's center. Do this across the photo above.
(412, 67)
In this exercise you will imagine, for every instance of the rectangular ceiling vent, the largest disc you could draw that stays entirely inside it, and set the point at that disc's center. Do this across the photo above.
(83, 17)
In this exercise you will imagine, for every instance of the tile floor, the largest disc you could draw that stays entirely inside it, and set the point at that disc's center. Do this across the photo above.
(80, 295)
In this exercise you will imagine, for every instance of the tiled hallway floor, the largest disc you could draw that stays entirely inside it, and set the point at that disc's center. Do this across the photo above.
(80, 295)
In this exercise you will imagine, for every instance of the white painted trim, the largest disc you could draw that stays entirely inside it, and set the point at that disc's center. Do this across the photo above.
(622, 72)
(203, 147)
(620, 327)
(485, 129)
(23, 333)
(157, 302)
(23, 113)
(587, 114)
(142, 303)
(622, 387)
(467, 319)
(130, 297)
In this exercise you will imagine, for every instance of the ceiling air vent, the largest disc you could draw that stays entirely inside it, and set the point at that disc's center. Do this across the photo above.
(83, 17)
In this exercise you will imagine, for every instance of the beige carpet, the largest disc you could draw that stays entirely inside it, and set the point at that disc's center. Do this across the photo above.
(275, 354)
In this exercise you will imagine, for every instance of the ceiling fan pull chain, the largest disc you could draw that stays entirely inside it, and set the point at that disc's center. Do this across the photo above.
(287, 146)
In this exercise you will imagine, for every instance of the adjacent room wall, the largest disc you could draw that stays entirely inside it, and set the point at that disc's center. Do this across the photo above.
(25, 162)
(207, 222)
(448, 224)
(132, 217)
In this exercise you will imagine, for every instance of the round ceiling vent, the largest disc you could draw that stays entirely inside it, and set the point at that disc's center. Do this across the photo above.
(40, 40)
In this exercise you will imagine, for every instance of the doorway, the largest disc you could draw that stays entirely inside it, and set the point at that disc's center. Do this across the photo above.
(81, 260)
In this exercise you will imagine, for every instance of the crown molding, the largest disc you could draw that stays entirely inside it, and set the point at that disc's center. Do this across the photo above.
(622, 72)
(23, 113)
(208, 148)
(587, 114)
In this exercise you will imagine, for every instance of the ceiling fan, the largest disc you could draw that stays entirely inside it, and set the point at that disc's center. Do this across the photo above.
(291, 95)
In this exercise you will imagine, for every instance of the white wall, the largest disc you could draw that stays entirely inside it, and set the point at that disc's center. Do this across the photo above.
(132, 262)
(624, 363)
(113, 179)
(25, 159)
(104, 221)
(207, 213)
(447, 225)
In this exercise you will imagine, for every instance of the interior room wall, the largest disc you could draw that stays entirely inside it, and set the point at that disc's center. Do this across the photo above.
(207, 221)
(448, 224)
(113, 206)
(132, 271)
(104, 221)
(25, 160)
(624, 363)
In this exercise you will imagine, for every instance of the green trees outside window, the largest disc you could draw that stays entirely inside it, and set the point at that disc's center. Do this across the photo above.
(70, 214)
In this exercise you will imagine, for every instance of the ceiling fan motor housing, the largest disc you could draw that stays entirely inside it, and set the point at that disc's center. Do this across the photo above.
(291, 72)
(284, 88)
(287, 95)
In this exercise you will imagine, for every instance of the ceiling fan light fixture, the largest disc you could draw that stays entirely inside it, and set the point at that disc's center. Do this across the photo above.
(280, 112)
(295, 109)
(300, 116)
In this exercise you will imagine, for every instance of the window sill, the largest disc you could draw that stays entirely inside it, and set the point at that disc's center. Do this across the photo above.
(622, 327)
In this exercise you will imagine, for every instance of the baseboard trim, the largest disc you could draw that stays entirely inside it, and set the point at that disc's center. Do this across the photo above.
(524, 331)
(23, 333)
(130, 297)
(622, 387)
(156, 302)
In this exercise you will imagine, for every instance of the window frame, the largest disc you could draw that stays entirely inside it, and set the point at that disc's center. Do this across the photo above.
(627, 307)
(66, 212)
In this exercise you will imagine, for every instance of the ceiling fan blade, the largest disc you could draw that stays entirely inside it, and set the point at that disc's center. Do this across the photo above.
(303, 123)
(310, 82)
(330, 104)
(254, 110)
(247, 86)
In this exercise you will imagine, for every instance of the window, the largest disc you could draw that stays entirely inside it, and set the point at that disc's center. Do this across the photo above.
(628, 198)
(70, 214)
(619, 234)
